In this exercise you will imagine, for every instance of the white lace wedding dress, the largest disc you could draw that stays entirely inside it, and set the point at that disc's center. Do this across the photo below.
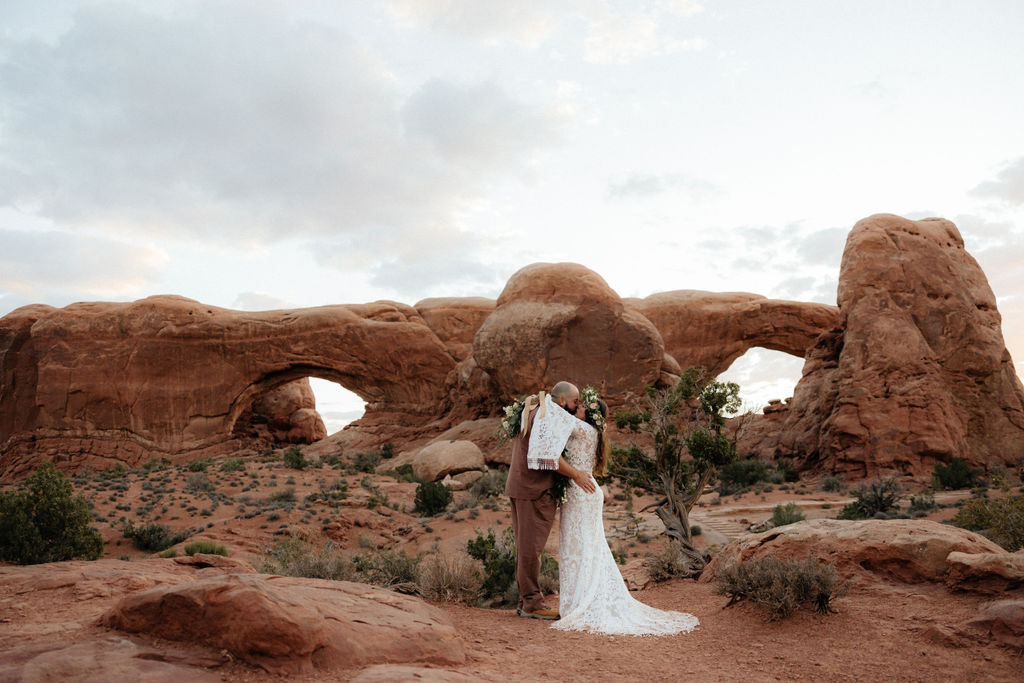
(592, 595)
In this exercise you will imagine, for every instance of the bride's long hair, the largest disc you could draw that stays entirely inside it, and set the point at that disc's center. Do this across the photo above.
(603, 447)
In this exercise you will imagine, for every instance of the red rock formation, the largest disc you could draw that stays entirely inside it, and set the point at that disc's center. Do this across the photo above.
(286, 414)
(916, 371)
(563, 322)
(96, 383)
(291, 625)
(711, 330)
(909, 550)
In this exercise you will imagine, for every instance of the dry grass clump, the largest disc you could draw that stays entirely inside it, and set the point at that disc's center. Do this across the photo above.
(780, 587)
(296, 556)
(451, 578)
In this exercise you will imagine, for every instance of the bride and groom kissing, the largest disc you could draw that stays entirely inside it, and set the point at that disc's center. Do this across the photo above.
(563, 432)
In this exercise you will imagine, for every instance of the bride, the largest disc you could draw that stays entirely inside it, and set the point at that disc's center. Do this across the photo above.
(592, 595)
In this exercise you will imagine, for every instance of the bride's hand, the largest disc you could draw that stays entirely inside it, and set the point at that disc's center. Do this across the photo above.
(585, 481)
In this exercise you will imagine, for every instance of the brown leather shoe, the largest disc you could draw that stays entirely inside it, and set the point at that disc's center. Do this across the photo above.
(542, 613)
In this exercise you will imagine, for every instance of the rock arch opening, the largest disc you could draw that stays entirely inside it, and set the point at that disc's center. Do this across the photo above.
(299, 405)
(337, 405)
(764, 375)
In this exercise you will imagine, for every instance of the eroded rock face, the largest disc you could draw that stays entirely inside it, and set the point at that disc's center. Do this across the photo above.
(98, 383)
(290, 625)
(916, 372)
(562, 321)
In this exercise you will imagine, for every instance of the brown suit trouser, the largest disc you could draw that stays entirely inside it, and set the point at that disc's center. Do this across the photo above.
(531, 522)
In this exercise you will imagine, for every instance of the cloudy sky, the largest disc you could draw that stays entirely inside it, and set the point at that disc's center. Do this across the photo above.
(258, 154)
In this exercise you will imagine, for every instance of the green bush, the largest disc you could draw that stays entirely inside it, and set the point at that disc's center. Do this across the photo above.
(233, 465)
(294, 459)
(367, 462)
(198, 482)
(205, 547)
(197, 466)
(1001, 521)
(956, 475)
(780, 587)
(498, 555)
(880, 497)
(922, 503)
(432, 497)
(674, 561)
(833, 484)
(788, 471)
(403, 473)
(152, 537)
(740, 475)
(41, 521)
(491, 485)
(294, 556)
(786, 514)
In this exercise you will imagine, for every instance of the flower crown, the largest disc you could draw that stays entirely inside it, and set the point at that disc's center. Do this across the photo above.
(592, 408)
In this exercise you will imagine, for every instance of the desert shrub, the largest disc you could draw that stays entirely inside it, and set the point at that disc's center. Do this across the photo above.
(491, 485)
(880, 496)
(403, 473)
(156, 465)
(786, 514)
(432, 497)
(392, 568)
(451, 578)
(788, 471)
(671, 563)
(498, 555)
(740, 475)
(169, 553)
(295, 556)
(329, 492)
(206, 547)
(294, 459)
(780, 587)
(233, 465)
(287, 495)
(41, 521)
(956, 475)
(198, 482)
(152, 537)
(197, 466)
(922, 503)
(1001, 521)
(695, 530)
(833, 484)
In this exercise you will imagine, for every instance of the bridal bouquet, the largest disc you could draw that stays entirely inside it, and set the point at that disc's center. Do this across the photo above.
(510, 424)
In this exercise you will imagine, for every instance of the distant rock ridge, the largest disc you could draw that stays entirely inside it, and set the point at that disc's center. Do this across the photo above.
(909, 369)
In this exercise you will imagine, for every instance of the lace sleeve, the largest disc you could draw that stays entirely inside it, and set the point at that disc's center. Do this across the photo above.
(550, 432)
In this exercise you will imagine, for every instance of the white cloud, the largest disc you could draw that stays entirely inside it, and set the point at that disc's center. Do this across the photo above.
(258, 301)
(646, 185)
(240, 126)
(527, 22)
(1007, 186)
(34, 263)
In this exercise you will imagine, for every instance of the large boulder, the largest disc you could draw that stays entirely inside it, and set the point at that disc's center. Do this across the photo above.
(443, 458)
(292, 625)
(286, 414)
(455, 321)
(990, 573)
(908, 550)
(561, 321)
(916, 371)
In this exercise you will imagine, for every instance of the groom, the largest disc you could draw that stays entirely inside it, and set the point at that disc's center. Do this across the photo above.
(530, 478)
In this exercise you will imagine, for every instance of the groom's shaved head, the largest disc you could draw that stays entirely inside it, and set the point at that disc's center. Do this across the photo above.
(564, 391)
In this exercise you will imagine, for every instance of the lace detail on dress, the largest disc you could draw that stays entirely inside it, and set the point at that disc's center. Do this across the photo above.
(592, 595)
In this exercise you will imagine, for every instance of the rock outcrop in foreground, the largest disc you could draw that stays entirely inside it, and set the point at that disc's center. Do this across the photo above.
(909, 369)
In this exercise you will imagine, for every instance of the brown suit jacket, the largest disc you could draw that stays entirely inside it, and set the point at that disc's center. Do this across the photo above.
(522, 482)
